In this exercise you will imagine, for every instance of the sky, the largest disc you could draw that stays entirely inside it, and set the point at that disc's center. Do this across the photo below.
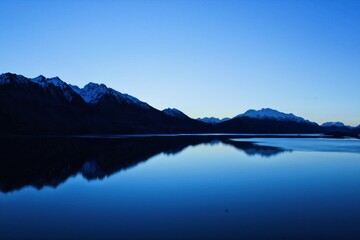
(206, 58)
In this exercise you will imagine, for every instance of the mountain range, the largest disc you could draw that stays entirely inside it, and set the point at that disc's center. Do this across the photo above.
(50, 106)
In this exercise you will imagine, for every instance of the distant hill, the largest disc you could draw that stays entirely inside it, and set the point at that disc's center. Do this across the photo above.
(212, 120)
(175, 113)
(333, 124)
(266, 125)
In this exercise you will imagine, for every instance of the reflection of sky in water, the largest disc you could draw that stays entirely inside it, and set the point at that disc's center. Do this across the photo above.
(205, 192)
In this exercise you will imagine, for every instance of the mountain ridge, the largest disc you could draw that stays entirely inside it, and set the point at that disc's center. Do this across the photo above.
(269, 113)
(213, 120)
(50, 105)
(176, 113)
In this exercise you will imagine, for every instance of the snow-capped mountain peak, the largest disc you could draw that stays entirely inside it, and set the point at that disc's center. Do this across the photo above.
(39, 80)
(212, 120)
(93, 92)
(173, 112)
(57, 82)
(45, 83)
(268, 113)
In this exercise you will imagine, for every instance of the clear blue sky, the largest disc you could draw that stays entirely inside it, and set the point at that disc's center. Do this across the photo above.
(206, 58)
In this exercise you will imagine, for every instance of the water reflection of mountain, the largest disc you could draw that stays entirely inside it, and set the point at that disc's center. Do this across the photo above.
(252, 149)
(40, 162)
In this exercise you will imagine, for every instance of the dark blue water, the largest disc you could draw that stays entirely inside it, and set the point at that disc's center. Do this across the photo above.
(187, 188)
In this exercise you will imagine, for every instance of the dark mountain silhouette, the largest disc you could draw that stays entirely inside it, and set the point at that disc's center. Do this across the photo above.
(334, 124)
(253, 125)
(50, 106)
(175, 113)
(49, 161)
(357, 130)
(182, 119)
(268, 120)
(40, 106)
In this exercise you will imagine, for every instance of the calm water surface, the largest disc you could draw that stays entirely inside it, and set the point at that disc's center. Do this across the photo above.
(180, 188)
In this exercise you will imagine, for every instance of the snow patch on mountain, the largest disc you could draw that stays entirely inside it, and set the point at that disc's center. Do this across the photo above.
(173, 112)
(268, 113)
(44, 82)
(92, 93)
(213, 120)
(57, 82)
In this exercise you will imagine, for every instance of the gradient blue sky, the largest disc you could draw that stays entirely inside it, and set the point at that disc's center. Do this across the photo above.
(206, 58)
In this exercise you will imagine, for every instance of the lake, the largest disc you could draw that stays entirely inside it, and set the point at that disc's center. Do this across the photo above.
(179, 187)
